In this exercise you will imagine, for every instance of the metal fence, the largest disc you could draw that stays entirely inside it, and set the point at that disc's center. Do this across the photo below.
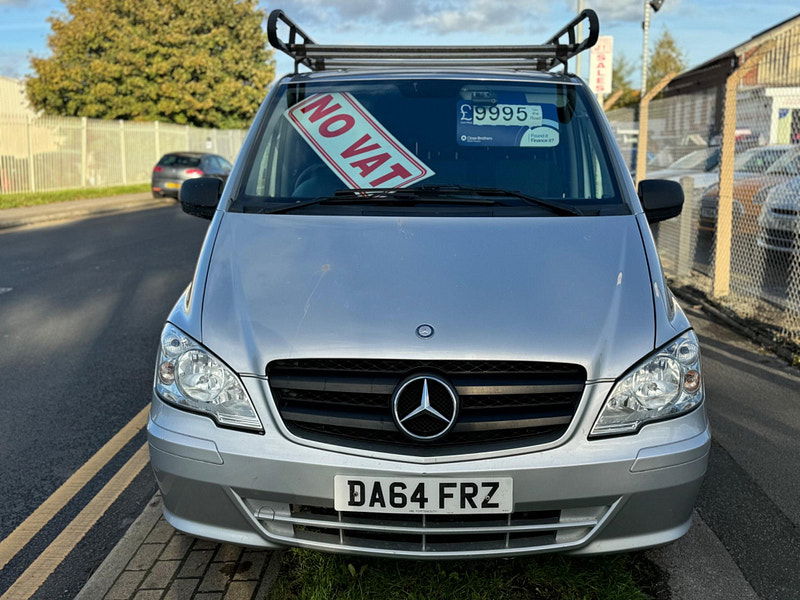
(39, 153)
(736, 152)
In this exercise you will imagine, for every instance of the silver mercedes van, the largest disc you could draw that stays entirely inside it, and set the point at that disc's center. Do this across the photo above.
(428, 319)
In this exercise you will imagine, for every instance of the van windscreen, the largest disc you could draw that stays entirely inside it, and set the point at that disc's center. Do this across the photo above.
(539, 139)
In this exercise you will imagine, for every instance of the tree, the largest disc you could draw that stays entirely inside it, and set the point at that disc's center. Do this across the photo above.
(204, 63)
(667, 58)
(621, 74)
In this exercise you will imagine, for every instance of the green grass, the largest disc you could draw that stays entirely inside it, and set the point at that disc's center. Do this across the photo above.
(34, 198)
(309, 575)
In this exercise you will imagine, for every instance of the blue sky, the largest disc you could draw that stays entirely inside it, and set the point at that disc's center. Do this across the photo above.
(703, 28)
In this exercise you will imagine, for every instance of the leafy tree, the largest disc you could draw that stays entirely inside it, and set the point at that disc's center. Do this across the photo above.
(666, 58)
(203, 62)
(621, 80)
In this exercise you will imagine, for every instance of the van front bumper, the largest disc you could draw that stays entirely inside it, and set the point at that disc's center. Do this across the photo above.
(583, 496)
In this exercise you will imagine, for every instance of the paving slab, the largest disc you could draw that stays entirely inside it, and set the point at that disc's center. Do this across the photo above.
(153, 560)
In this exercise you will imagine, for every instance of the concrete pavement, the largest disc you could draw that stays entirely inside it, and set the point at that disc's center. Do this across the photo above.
(11, 218)
(155, 562)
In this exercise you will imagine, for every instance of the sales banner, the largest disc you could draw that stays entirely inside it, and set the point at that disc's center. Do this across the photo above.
(600, 65)
(355, 146)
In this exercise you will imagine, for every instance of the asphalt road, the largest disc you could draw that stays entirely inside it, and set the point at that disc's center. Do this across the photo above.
(78, 332)
(750, 497)
(78, 335)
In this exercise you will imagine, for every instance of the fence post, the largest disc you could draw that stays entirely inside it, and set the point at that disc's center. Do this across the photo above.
(122, 158)
(722, 244)
(158, 142)
(685, 228)
(644, 117)
(31, 172)
(84, 144)
(611, 100)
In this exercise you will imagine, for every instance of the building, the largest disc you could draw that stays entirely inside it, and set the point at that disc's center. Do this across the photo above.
(13, 100)
(768, 103)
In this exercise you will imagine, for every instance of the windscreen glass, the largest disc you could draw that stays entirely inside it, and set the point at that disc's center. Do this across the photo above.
(179, 160)
(540, 139)
(788, 164)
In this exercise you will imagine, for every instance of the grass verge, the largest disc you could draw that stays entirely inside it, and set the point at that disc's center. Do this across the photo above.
(309, 575)
(35, 198)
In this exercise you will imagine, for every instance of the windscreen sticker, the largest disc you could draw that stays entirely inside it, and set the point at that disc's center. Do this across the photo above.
(348, 139)
(506, 119)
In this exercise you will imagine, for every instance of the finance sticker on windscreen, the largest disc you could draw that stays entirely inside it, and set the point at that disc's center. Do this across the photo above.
(353, 144)
(506, 118)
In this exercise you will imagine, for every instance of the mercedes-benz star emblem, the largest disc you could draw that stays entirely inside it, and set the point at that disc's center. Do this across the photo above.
(424, 331)
(424, 407)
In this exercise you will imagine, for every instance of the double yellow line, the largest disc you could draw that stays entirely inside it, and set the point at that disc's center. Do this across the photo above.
(40, 569)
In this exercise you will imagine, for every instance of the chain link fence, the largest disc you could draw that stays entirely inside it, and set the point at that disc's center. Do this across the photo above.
(40, 153)
(735, 149)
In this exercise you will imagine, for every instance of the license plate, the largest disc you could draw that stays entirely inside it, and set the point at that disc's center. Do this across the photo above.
(448, 496)
(173, 185)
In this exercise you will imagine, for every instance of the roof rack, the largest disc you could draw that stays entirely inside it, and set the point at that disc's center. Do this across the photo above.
(320, 57)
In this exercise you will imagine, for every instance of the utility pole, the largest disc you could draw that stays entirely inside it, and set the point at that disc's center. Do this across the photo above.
(645, 46)
(655, 5)
(580, 37)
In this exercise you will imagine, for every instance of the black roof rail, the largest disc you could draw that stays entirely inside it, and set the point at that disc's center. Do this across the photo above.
(319, 57)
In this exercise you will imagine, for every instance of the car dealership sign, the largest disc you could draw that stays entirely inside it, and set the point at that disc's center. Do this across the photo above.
(600, 65)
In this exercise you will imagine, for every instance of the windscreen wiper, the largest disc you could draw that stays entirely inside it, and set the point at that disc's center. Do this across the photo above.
(379, 197)
(556, 207)
(425, 194)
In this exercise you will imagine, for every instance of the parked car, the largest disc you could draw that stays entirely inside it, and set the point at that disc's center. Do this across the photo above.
(701, 165)
(779, 220)
(750, 190)
(176, 167)
(429, 321)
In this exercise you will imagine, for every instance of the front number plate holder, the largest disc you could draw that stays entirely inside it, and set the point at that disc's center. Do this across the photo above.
(423, 495)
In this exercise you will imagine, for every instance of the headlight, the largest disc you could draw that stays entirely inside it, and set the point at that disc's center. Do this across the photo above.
(665, 384)
(189, 376)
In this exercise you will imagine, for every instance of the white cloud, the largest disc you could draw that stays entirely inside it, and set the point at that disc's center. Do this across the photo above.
(455, 16)
(439, 16)
(509, 16)
(616, 10)
(622, 10)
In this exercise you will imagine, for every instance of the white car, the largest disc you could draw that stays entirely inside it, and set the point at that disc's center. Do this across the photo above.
(779, 220)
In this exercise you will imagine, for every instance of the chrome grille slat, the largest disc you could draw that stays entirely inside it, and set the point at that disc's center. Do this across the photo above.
(432, 530)
(428, 536)
(366, 421)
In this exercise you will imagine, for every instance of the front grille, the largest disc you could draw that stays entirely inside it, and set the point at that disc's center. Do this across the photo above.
(502, 403)
(517, 532)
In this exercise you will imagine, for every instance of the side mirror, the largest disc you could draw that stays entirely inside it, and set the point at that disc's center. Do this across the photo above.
(661, 199)
(199, 197)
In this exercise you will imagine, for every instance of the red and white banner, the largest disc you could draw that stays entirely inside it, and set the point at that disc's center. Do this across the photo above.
(600, 65)
(353, 144)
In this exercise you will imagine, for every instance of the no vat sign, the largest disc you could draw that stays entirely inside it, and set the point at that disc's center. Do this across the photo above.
(353, 144)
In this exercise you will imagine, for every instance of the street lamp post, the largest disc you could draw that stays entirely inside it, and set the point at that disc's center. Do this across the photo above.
(655, 5)
(580, 37)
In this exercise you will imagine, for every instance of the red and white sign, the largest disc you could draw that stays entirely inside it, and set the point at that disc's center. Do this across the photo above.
(600, 64)
(353, 144)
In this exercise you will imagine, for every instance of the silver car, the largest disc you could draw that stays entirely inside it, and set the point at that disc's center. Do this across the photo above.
(176, 167)
(429, 321)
